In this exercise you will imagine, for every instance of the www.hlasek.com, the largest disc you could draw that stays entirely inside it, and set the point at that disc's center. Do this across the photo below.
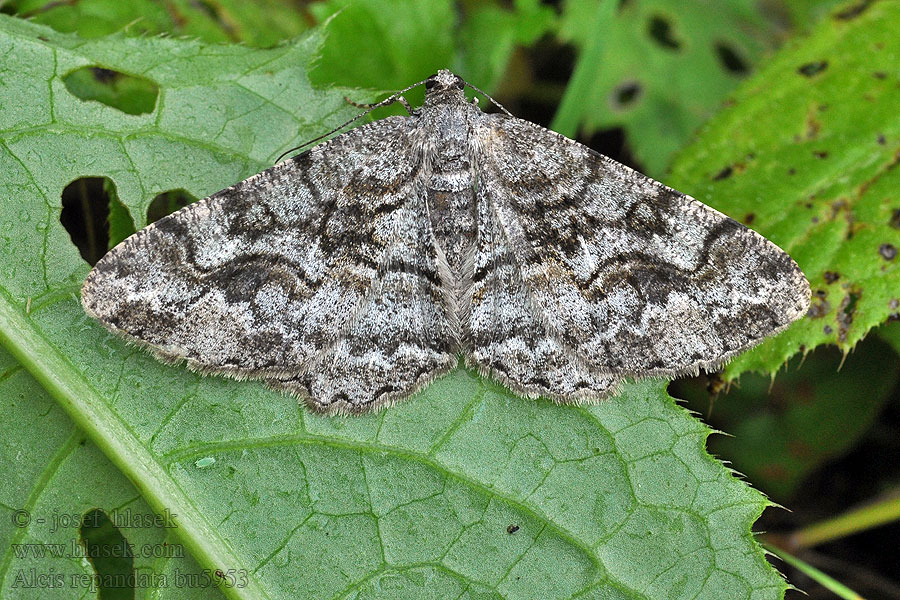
(75, 549)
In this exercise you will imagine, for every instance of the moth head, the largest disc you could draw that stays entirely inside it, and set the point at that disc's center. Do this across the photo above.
(444, 83)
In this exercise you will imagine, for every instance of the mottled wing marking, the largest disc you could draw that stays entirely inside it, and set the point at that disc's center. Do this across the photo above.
(634, 277)
(402, 338)
(509, 339)
(273, 274)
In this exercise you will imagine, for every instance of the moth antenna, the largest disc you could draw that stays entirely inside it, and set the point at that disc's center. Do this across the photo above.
(395, 97)
(494, 102)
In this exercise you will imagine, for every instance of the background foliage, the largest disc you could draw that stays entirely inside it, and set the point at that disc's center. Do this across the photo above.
(465, 491)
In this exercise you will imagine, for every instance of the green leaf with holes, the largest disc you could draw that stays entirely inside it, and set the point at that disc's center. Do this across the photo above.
(368, 43)
(657, 68)
(463, 491)
(808, 155)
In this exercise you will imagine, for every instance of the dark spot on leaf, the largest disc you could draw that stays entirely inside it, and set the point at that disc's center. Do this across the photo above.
(89, 206)
(624, 4)
(854, 11)
(723, 174)
(730, 59)
(749, 218)
(831, 276)
(820, 293)
(512, 529)
(661, 31)
(820, 154)
(43, 38)
(895, 219)
(818, 309)
(887, 251)
(129, 93)
(844, 314)
(109, 553)
(813, 125)
(879, 75)
(811, 69)
(881, 139)
(166, 203)
(828, 330)
(792, 171)
(625, 95)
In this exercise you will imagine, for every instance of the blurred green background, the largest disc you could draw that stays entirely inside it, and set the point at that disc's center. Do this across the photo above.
(640, 80)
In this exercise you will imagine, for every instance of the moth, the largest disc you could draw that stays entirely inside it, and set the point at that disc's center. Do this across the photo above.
(357, 272)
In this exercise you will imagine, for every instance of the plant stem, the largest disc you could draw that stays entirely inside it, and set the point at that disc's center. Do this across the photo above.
(813, 573)
(851, 522)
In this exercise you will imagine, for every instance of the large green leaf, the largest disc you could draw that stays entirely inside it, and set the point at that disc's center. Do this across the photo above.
(808, 156)
(462, 491)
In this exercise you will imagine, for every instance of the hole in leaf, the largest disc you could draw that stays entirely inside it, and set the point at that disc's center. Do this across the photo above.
(551, 60)
(110, 554)
(130, 94)
(625, 95)
(166, 203)
(614, 144)
(661, 31)
(731, 60)
(94, 216)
